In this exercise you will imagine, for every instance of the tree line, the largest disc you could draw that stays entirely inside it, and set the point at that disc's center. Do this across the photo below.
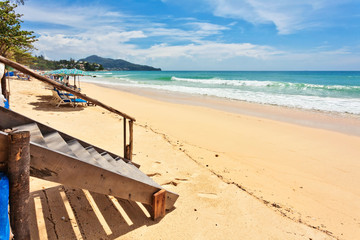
(40, 63)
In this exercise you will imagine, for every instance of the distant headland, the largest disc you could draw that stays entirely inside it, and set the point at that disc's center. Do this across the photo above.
(117, 64)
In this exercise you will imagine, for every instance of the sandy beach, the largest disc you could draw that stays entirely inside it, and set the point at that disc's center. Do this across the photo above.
(243, 171)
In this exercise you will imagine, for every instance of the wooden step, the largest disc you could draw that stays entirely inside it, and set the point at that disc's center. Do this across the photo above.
(56, 142)
(100, 160)
(35, 133)
(118, 166)
(142, 176)
(107, 156)
(129, 170)
(81, 152)
(136, 173)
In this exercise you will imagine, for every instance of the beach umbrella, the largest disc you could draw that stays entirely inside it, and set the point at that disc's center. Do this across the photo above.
(68, 72)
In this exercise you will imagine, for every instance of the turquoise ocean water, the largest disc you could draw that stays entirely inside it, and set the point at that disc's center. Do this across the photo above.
(321, 90)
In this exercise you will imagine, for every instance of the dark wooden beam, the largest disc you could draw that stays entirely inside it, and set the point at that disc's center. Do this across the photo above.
(3, 152)
(3, 86)
(125, 148)
(159, 204)
(19, 174)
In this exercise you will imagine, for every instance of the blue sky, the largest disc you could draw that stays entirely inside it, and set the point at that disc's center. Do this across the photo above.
(201, 34)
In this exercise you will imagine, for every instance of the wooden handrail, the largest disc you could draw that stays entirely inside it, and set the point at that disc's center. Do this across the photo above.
(127, 148)
(27, 71)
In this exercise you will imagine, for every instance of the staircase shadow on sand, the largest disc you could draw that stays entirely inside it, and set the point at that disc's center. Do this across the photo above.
(44, 104)
(65, 213)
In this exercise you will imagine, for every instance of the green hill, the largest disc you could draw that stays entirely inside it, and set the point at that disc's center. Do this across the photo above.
(118, 64)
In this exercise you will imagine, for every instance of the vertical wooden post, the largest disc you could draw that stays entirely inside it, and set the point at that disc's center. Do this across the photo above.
(125, 151)
(8, 91)
(3, 86)
(19, 173)
(131, 130)
(159, 204)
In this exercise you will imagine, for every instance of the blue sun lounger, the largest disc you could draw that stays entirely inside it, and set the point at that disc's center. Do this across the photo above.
(61, 98)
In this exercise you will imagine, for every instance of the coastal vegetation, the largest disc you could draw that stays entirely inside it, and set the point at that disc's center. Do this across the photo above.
(40, 63)
(91, 63)
(15, 43)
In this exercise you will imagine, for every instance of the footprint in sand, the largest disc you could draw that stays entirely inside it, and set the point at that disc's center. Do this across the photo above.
(181, 179)
(176, 182)
(208, 195)
(170, 183)
(153, 174)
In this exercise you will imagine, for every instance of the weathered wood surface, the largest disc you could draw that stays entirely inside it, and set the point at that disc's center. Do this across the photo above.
(19, 173)
(159, 204)
(56, 142)
(131, 144)
(3, 80)
(10, 118)
(35, 133)
(3, 86)
(3, 151)
(29, 72)
(57, 167)
(124, 137)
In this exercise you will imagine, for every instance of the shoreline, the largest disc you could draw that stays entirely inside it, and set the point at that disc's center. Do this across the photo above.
(340, 122)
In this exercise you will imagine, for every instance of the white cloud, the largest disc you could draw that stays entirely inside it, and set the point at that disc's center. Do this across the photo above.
(99, 21)
(74, 17)
(197, 32)
(287, 16)
(115, 45)
(217, 51)
(60, 46)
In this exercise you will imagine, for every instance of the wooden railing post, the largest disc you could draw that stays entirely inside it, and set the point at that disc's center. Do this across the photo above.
(124, 129)
(19, 173)
(3, 86)
(131, 132)
(128, 148)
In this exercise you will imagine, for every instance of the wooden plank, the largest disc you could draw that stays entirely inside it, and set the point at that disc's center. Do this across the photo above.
(19, 178)
(60, 168)
(27, 71)
(158, 204)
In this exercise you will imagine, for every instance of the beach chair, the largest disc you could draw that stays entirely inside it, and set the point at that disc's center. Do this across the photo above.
(62, 98)
(23, 78)
(59, 99)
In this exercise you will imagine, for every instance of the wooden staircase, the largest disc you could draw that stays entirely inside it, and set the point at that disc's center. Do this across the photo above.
(58, 157)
